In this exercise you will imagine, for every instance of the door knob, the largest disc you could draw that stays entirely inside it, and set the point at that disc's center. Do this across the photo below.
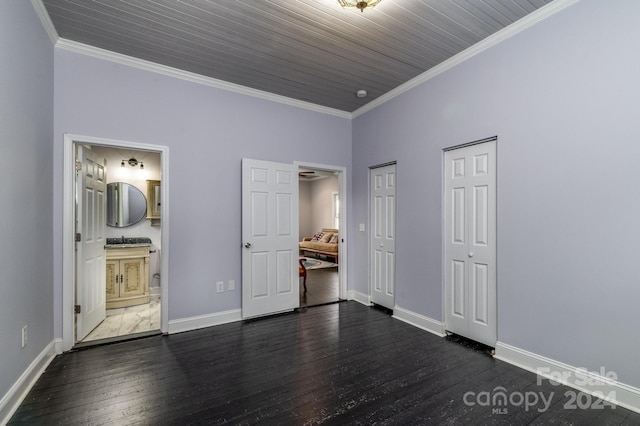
(247, 245)
(471, 254)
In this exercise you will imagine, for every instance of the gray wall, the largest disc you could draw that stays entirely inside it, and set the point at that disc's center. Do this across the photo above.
(322, 202)
(208, 132)
(563, 98)
(316, 205)
(26, 125)
(306, 211)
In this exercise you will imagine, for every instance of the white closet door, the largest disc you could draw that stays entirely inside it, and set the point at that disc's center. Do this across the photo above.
(383, 238)
(470, 242)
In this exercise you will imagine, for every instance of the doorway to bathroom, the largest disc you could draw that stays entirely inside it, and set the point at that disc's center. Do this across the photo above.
(132, 248)
(115, 284)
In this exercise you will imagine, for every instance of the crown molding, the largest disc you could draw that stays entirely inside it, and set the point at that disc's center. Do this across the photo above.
(47, 24)
(496, 38)
(142, 64)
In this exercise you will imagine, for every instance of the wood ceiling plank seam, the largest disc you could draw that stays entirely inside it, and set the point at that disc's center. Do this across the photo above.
(466, 20)
(438, 26)
(514, 7)
(457, 21)
(378, 38)
(449, 27)
(502, 10)
(525, 4)
(435, 38)
(409, 38)
(381, 40)
(479, 10)
(537, 4)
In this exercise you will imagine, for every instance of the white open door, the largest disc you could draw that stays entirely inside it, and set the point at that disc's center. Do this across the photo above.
(91, 220)
(269, 238)
(383, 235)
(470, 242)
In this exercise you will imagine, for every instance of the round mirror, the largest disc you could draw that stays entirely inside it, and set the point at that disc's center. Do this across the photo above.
(126, 205)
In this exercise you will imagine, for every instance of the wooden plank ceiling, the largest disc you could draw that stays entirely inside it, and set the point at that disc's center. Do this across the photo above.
(309, 50)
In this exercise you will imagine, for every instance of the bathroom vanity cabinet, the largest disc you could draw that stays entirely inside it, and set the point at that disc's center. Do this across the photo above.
(127, 276)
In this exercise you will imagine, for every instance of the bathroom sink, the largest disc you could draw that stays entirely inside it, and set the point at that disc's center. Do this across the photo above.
(127, 242)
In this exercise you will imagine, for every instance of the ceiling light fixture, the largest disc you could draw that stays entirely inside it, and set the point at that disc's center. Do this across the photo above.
(358, 4)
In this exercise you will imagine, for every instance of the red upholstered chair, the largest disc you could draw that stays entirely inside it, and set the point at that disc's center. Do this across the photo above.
(302, 272)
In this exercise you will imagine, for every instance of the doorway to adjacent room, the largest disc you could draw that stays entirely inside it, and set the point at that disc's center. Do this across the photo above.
(319, 223)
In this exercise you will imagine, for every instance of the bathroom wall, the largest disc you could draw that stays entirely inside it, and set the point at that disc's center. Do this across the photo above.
(138, 178)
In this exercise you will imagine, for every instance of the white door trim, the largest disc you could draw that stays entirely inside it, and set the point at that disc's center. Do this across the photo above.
(68, 228)
(344, 209)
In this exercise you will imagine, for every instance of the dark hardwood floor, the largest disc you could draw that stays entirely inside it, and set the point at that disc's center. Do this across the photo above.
(342, 363)
(322, 287)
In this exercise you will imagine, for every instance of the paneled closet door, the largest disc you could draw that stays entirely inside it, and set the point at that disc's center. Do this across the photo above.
(470, 242)
(383, 235)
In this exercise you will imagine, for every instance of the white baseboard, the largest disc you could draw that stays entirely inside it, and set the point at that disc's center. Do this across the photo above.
(202, 321)
(602, 384)
(420, 321)
(14, 397)
(359, 297)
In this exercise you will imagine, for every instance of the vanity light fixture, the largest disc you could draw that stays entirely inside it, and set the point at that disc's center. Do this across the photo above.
(358, 4)
(132, 162)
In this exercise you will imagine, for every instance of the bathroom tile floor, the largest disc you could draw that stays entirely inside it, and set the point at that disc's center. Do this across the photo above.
(129, 320)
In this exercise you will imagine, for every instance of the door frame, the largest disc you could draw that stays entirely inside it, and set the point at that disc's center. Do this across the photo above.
(342, 244)
(68, 228)
(443, 224)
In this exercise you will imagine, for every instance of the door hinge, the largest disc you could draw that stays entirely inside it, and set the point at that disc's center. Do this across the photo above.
(78, 166)
(78, 237)
(77, 309)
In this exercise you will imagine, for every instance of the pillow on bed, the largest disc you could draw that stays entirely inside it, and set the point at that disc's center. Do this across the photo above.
(334, 239)
(316, 237)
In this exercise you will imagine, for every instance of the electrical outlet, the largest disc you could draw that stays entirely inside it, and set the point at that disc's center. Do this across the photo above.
(220, 286)
(231, 285)
(24, 336)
